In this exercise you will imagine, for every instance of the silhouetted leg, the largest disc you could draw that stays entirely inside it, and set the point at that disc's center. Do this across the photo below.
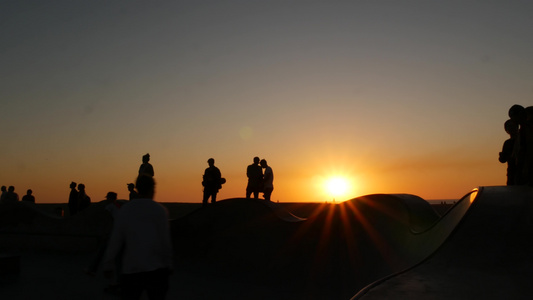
(268, 193)
(214, 197)
(157, 284)
(132, 286)
(206, 198)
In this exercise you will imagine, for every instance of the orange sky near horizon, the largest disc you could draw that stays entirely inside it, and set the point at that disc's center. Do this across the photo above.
(294, 181)
(396, 98)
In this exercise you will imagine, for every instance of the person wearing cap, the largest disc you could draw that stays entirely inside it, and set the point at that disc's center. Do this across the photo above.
(133, 194)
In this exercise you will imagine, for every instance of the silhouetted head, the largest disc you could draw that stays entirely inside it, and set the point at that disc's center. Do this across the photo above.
(146, 158)
(211, 162)
(131, 186)
(145, 186)
(256, 160)
(11, 188)
(4, 188)
(81, 187)
(264, 163)
(111, 196)
(73, 185)
(517, 113)
(29, 192)
(511, 127)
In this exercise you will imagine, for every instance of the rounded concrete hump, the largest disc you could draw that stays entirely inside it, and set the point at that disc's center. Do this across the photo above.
(281, 212)
(421, 214)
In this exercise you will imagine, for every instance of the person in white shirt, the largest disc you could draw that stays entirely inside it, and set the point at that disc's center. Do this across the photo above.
(141, 239)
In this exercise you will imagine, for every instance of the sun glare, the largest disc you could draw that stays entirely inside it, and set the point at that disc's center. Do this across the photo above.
(337, 187)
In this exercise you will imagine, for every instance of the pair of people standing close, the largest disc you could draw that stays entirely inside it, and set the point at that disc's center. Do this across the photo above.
(259, 182)
(78, 200)
(517, 151)
(9, 195)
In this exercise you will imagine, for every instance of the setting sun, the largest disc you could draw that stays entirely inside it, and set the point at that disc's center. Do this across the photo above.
(337, 187)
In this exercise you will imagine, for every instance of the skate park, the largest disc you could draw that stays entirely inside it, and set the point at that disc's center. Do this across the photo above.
(373, 247)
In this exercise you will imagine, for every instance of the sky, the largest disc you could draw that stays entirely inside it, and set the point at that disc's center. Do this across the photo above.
(394, 96)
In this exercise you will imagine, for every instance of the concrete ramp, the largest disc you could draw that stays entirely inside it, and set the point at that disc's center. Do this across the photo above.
(489, 255)
(333, 253)
(378, 235)
(281, 212)
(251, 247)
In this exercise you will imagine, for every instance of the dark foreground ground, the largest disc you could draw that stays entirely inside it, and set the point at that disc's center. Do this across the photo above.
(235, 250)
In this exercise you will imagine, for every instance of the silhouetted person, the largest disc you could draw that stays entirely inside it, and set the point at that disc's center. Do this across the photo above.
(112, 207)
(517, 114)
(254, 172)
(11, 196)
(4, 192)
(268, 180)
(211, 181)
(133, 194)
(141, 239)
(112, 204)
(28, 197)
(146, 168)
(73, 199)
(84, 200)
(527, 129)
(508, 154)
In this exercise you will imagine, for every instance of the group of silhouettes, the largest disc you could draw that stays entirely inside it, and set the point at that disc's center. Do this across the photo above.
(517, 151)
(258, 182)
(140, 238)
(9, 196)
(78, 199)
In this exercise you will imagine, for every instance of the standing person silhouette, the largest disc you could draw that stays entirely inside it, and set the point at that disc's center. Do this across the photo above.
(254, 172)
(112, 207)
(146, 168)
(517, 113)
(212, 181)
(4, 192)
(73, 199)
(84, 200)
(268, 180)
(507, 155)
(527, 129)
(141, 240)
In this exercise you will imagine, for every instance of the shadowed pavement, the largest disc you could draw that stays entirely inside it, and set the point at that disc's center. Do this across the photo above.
(241, 249)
